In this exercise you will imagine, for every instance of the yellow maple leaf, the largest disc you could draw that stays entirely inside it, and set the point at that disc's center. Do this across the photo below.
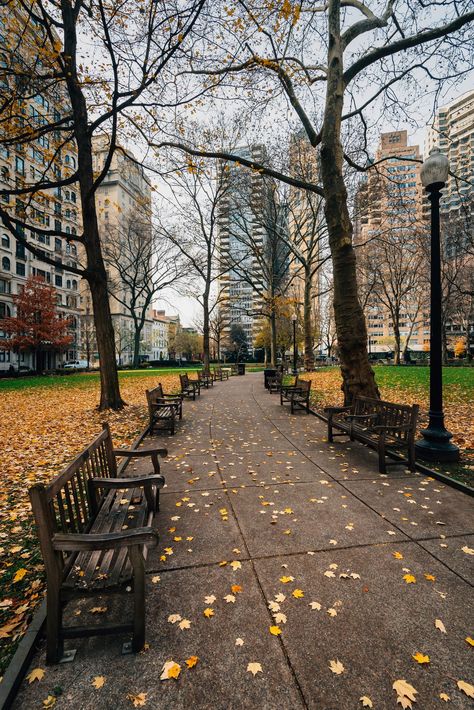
(36, 674)
(298, 593)
(254, 668)
(236, 589)
(208, 612)
(99, 681)
(19, 574)
(275, 630)
(336, 667)
(285, 580)
(397, 555)
(170, 669)
(138, 700)
(469, 640)
(409, 578)
(466, 688)
(420, 658)
(49, 701)
(405, 693)
(235, 564)
(191, 661)
(430, 577)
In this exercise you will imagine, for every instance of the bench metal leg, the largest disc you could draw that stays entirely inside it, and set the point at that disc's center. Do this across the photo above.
(138, 565)
(381, 450)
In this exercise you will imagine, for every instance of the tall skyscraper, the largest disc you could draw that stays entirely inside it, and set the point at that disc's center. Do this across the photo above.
(389, 228)
(241, 222)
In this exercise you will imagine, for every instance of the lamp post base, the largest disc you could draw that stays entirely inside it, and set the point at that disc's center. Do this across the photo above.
(436, 446)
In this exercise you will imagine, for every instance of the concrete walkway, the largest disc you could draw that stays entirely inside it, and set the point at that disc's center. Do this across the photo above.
(267, 525)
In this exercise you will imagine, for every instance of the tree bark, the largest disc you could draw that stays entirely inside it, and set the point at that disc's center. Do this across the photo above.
(273, 340)
(136, 346)
(308, 323)
(205, 330)
(358, 376)
(95, 274)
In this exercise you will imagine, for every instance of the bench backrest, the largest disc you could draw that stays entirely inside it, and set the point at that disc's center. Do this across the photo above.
(184, 380)
(305, 386)
(389, 414)
(65, 504)
(153, 396)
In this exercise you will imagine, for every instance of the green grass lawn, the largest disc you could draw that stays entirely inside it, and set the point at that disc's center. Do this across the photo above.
(415, 377)
(83, 378)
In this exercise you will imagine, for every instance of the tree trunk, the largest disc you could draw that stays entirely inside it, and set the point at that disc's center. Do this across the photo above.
(273, 340)
(95, 273)
(136, 346)
(358, 376)
(205, 331)
(308, 325)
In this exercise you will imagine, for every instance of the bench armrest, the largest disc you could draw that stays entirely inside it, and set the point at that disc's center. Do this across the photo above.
(132, 453)
(177, 397)
(152, 479)
(79, 542)
(161, 404)
(337, 410)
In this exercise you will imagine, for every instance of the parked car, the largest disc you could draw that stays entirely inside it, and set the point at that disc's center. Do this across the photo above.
(75, 365)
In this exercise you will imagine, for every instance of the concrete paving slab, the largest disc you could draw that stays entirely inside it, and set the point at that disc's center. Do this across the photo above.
(191, 472)
(194, 529)
(267, 468)
(419, 506)
(219, 680)
(457, 553)
(352, 461)
(306, 516)
(380, 622)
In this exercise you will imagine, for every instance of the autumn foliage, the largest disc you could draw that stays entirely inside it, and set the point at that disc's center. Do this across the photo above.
(37, 325)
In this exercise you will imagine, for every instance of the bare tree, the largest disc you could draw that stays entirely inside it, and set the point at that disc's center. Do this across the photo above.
(132, 47)
(141, 264)
(360, 58)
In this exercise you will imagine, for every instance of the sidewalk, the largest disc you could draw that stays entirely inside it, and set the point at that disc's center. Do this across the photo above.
(260, 512)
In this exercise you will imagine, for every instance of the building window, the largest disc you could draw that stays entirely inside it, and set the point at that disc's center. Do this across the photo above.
(20, 252)
(19, 165)
(4, 286)
(58, 281)
(5, 241)
(20, 268)
(6, 263)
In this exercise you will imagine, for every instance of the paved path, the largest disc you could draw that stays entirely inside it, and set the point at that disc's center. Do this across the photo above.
(258, 506)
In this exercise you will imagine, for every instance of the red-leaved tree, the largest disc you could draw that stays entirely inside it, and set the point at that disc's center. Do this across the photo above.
(37, 326)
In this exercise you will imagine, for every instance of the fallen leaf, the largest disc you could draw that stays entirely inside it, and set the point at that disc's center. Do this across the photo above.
(191, 661)
(285, 580)
(315, 605)
(208, 613)
(430, 577)
(236, 589)
(280, 618)
(275, 630)
(170, 669)
(469, 640)
(336, 667)
(49, 702)
(156, 579)
(173, 618)
(409, 578)
(405, 693)
(184, 624)
(420, 658)
(36, 674)
(397, 555)
(229, 598)
(466, 688)
(239, 642)
(210, 599)
(298, 593)
(137, 700)
(444, 697)
(439, 625)
(468, 550)
(99, 681)
(235, 564)
(19, 574)
(254, 668)
(366, 702)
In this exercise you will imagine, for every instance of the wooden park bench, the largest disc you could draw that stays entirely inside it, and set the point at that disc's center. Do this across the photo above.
(221, 374)
(206, 378)
(234, 368)
(275, 383)
(297, 395)
(189, 388)
(163, 409)
(94, 529)
(379, 424)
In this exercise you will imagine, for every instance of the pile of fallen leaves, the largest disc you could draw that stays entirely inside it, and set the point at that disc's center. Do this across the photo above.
(41, 429)
(395, 386)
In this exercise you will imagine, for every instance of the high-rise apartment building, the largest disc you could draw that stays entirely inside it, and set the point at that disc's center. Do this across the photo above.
(306, 224)
(24, 163)
(453, 132)
(124, 211)
(242, 220)
(389, 227)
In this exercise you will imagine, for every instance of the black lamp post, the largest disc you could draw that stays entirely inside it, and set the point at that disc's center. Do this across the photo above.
(436, 444)
(294, 318)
